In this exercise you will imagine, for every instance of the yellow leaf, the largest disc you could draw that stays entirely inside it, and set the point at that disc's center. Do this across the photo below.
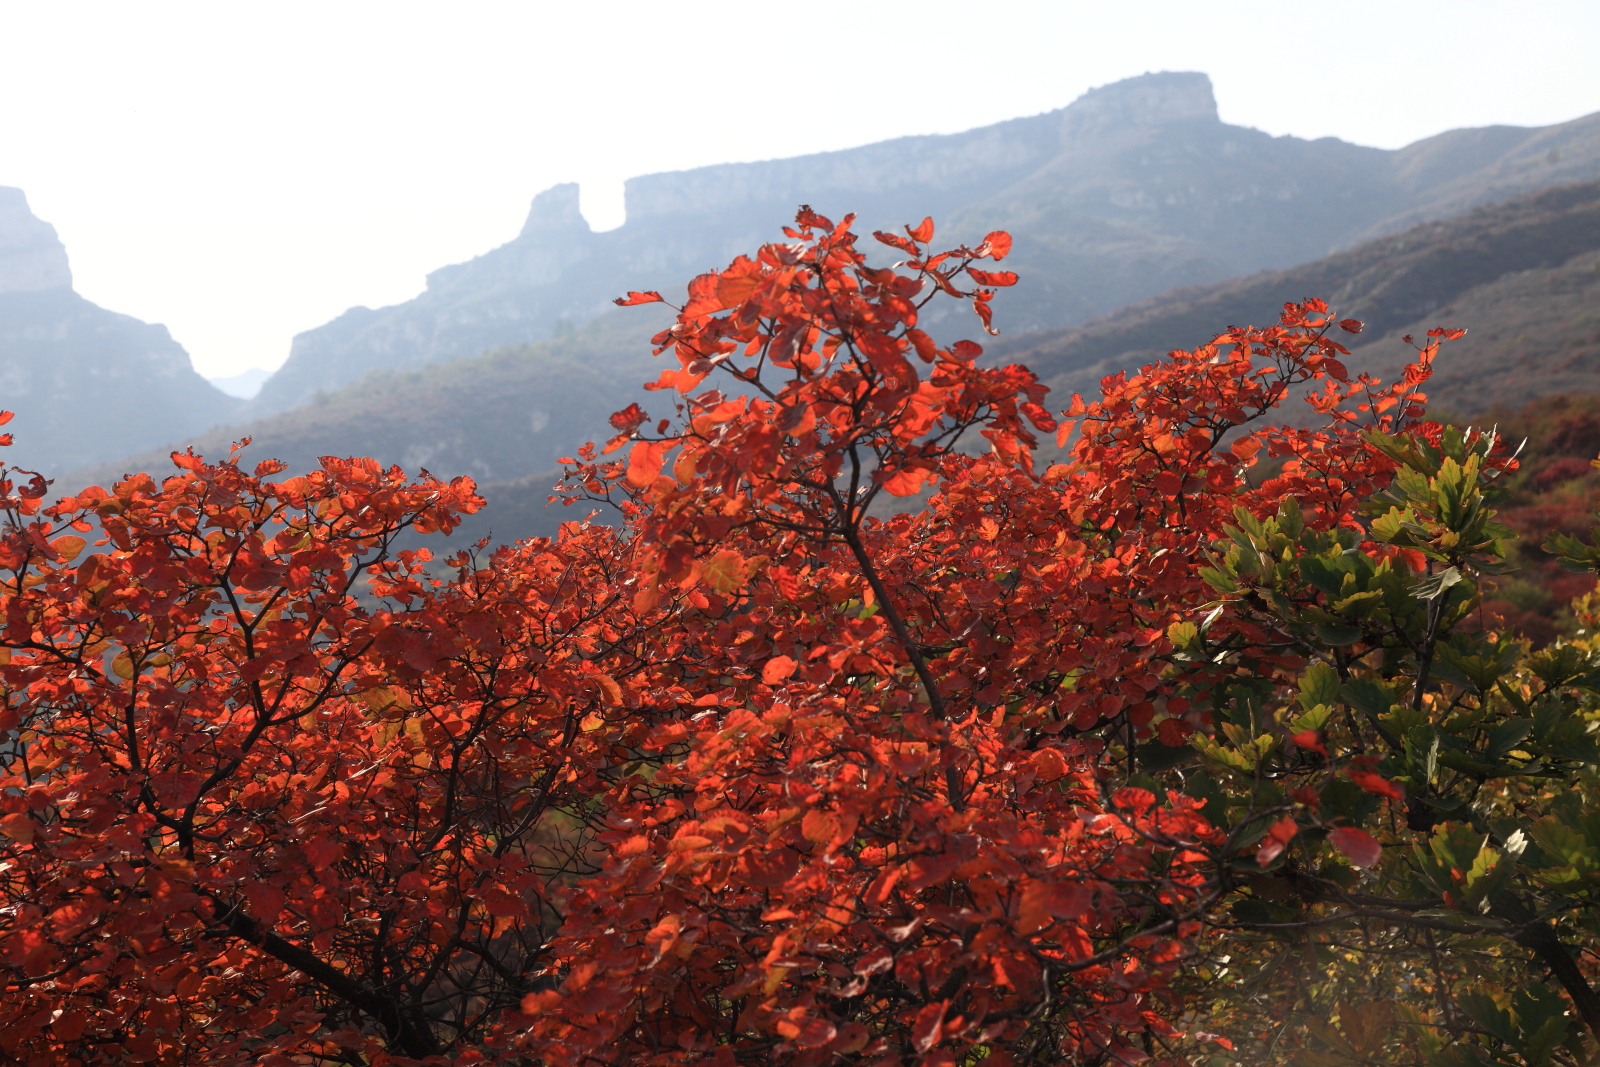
(69, 547)
(382, 699)
(724, 571)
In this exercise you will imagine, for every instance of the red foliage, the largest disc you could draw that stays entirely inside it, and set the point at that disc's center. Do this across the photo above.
(767, 781)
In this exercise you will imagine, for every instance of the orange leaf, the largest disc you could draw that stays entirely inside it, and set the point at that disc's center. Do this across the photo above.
(906, 481)
(734, 290)
(895, 241)
(998, 242)
(610, 691)
(68, 547)
(923, 233)
(819, 826)
(644, 463)
(18, 827)
(777, 669)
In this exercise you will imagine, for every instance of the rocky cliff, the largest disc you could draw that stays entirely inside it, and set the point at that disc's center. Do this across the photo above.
(1133, 189)
(87, 384)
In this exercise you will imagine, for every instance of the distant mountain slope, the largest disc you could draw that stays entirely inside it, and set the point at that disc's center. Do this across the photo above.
(1522, 276)
(1134, 189)
(504, 418)
(87, 384)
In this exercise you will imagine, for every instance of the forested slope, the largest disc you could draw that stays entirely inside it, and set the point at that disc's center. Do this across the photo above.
(1523, 277)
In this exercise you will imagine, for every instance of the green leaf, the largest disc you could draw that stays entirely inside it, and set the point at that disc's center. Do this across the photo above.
(1339, 636)
(1507, 736)
(1318, 685)
(1368, 696)
(1430, 588)
(1422, 752)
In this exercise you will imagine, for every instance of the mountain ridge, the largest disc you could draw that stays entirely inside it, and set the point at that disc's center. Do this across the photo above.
(1135, 188)
(1519, 274)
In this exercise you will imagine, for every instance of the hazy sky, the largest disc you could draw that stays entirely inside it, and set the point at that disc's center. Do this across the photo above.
(241, 172)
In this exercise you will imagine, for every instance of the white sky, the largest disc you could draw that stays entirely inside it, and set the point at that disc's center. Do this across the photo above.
(241, 172)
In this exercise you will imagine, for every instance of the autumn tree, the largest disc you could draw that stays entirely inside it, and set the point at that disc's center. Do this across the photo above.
(760, 777)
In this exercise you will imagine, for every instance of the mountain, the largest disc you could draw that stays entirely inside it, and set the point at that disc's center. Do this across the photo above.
(1132, 190)
(1523, 276)
(87, 384)
(505, 418)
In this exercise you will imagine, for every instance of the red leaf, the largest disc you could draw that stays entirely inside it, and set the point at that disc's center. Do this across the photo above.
(927, 1031)
(629, 418)
(1360, 846)
(1447, 334)
(7, 416)
(931, 870)
(1173, 732)
(1310, 739)
(633, 298)
(1277, 840)
(877, 961)
(980, 304)
(896, 241)
(997, 278)
(998, 244)
(1351, 325)
(1041, 418)
(923, 233)
(1375, 783)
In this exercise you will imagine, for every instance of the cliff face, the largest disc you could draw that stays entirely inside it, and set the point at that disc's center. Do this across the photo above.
(87, 384)
(32, 258)
(1134, 189)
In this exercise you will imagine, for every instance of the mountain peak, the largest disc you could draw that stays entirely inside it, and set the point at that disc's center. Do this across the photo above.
(32, 258)
(1148, 100)
(555, 210)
